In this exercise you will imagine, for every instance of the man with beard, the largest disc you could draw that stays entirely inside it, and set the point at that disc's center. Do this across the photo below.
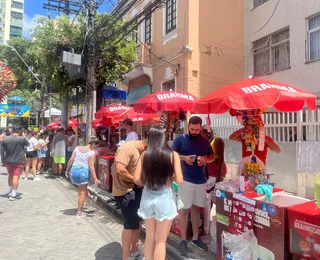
(195, 151)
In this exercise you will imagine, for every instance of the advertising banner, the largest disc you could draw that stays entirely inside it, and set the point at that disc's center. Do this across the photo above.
(14, 110)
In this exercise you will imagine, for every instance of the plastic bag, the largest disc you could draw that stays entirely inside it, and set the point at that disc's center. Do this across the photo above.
(213, 229)
(230, 185)
(241, 247)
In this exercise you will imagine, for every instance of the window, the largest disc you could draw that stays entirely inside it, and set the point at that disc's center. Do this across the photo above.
(256, 3)
(134, 32)
(147, 29)
(17, 5)
(314, 37)
(169, 86)
(272, 53)
(15, 29)
(171, 15)
(16, 15)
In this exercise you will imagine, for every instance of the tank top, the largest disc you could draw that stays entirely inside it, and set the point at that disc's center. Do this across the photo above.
(82, 159)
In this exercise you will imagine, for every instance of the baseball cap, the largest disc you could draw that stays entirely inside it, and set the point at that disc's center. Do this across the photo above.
(127, 121)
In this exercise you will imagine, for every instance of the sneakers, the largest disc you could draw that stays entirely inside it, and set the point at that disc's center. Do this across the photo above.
(200, 244)
(9, 194)
(25, 178)
(37, 179)
(81, 215)
(136, 256)
(183, 247)
(13, 198)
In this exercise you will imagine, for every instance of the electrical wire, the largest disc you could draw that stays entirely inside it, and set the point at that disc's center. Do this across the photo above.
(160, 59)
(269, 18)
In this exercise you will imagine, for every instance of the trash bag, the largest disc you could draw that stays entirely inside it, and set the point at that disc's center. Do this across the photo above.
(241, 247)
(213, 229)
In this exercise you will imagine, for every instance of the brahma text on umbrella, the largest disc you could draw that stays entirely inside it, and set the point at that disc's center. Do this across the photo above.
(175, 95)
(115, 108)
(262, 87)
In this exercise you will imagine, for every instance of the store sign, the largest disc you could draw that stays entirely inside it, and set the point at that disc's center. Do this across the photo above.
(136, 94)
(13, 110)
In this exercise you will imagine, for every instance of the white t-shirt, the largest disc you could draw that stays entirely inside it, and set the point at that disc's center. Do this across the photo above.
(74, 142)
(132, 136)
(32, 141)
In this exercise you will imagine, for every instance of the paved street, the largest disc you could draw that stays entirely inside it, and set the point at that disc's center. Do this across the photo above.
(42, 224)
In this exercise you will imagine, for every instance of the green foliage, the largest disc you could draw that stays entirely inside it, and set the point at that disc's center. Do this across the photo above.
(25, 79)
(50, 39)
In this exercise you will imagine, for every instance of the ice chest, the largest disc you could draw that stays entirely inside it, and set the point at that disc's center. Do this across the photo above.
(304, 230)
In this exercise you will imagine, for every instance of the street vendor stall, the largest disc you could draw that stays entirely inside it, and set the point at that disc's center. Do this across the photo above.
(239, 204)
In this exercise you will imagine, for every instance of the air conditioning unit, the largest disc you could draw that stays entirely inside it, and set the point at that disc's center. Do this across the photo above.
(69, 59)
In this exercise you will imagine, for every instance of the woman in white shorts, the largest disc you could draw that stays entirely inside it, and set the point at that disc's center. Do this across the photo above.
(161, 166)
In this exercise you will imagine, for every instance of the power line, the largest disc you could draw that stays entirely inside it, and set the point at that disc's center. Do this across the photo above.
(160, 59)
(269, 18)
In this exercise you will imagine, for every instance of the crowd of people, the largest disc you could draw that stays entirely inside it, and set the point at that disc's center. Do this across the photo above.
(143, 173)
(41, 152)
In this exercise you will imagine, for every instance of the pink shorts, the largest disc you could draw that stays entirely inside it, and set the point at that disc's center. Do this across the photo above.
(15, 169)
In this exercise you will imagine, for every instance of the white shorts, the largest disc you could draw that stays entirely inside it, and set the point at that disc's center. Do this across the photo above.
(192, 194)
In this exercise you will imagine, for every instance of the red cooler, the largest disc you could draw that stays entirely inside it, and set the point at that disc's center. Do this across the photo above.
(304, 230)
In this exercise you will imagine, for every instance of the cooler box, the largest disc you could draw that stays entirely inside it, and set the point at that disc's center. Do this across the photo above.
(304, 230)
(270, 223)
(104, 172)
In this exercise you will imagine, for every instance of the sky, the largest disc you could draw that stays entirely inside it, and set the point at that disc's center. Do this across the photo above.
(33, 9)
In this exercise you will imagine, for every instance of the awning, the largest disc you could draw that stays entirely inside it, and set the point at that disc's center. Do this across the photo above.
(139, 70)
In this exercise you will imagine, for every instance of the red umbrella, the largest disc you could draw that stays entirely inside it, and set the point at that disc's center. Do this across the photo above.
(141, 118)
(111, 111)
(255, 94)
(165, 101)
(53, 126)
(103, 122)
(73, 123)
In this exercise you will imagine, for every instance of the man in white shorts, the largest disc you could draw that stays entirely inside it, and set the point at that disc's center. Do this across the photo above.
(195, 151)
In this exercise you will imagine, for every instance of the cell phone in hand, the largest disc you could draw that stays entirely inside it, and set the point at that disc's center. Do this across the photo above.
(193, 157)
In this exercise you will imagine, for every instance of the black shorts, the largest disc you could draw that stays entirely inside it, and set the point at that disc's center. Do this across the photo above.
(129, 205)
(32, 154)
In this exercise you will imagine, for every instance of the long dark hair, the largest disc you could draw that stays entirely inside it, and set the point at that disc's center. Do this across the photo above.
(158, 159)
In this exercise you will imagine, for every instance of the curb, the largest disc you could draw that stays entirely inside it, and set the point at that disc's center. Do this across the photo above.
(172, 242)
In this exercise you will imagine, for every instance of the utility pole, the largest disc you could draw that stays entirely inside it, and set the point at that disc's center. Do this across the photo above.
(91, 74)
(67, 7)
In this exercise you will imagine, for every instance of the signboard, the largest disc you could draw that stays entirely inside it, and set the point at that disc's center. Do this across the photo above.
(136, 94)
(14, 110)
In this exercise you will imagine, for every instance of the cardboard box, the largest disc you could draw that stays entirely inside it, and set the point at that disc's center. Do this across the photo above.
(304, 230)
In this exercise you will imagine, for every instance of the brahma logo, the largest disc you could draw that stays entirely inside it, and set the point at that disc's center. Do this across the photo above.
(118, 108)
(261, 87)
(174, 95)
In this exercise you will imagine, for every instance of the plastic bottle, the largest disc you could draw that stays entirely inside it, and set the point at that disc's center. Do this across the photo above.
(242, 183)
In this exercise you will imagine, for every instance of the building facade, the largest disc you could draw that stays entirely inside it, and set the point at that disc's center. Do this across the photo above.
(282, 41)
(11, 19)
(193, 46)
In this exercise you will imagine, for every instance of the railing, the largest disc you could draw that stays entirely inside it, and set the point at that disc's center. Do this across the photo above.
(281, 127)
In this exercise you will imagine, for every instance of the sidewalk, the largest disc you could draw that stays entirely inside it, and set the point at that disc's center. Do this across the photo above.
(103, 198)
(42, 225)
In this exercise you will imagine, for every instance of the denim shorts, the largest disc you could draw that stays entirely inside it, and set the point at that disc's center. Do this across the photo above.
(79, 175)
(159, 204)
